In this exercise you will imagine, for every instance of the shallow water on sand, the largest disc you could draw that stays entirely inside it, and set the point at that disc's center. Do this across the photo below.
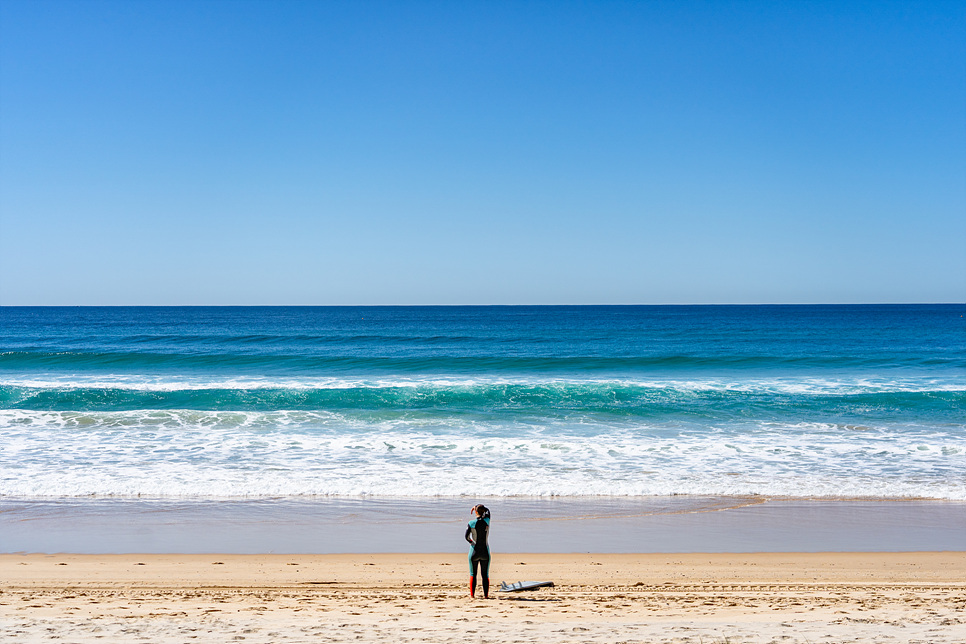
(669, 524)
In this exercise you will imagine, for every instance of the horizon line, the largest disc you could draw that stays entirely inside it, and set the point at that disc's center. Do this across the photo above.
(92, 306)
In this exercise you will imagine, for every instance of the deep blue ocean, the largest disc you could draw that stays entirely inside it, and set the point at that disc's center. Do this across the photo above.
(196, 402)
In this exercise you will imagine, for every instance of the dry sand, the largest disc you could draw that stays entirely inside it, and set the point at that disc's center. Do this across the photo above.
(811, 597)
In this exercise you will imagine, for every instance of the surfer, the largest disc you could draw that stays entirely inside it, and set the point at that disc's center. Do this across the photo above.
(477, 532)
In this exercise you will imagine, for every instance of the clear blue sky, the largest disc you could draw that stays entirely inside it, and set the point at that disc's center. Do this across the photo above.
(239, 152)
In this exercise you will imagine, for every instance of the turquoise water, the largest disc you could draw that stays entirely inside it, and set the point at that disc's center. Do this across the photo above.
(494, 401)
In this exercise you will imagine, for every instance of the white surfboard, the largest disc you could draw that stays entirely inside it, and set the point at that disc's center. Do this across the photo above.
(523, 585)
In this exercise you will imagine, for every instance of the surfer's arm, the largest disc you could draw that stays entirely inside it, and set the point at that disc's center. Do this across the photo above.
(469, 534)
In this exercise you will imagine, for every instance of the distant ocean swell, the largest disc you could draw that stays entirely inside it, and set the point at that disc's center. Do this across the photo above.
(261, 358)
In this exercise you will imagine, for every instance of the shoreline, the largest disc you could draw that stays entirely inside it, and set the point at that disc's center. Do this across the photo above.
(558, 525)
(394, 597)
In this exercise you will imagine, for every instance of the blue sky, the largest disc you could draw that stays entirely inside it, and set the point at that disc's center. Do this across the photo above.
(482, 152)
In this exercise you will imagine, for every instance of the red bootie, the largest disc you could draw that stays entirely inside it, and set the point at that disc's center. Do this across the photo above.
(472, 586)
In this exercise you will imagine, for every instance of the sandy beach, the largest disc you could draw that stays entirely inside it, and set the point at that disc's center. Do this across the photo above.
(764, 597)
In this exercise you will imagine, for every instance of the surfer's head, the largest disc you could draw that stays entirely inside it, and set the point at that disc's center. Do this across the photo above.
(480, 510)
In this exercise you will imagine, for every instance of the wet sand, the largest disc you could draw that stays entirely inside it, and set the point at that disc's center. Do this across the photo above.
(521, 524)
(763, 597)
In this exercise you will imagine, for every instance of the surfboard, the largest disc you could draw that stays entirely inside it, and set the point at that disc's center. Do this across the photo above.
(523, 585)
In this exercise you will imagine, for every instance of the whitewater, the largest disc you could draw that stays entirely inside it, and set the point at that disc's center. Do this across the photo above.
(289, 402)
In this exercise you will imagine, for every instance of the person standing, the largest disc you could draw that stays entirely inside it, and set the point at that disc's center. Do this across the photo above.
(477, 533)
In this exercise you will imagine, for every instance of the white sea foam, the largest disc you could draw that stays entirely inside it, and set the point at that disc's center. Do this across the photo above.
(789, 385)
(257, 454)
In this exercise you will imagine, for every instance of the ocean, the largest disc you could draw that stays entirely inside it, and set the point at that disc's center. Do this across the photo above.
(199, 403)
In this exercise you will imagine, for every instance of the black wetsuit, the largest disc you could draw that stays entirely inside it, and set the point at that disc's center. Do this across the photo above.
(477, 532)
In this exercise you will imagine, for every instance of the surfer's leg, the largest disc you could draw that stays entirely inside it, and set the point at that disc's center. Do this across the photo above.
(485, 573)
(473, 563)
